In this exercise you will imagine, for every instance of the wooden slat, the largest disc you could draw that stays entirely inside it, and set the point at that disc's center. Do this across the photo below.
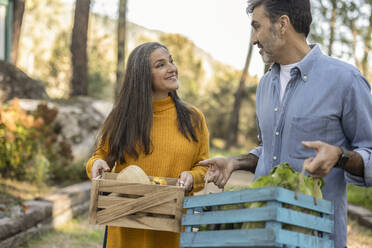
(114, 186)
(260, 194)
(309, 221)
(233, 197)
(165, 208)
(113, 176)
(120, 200)
(179, 205)
(230, 216)
(302, 240)
(93, 202)
(229, 238)
(251, 238)
(304, 201)
(281, 215)
(120, 210)
(145, 222)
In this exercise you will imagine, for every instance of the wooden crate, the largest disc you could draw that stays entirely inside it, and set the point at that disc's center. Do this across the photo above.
(273, 214)
(135, 205)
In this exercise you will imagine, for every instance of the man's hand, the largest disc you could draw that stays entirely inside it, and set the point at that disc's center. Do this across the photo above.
(219, 171)
(186, 180)
(326, 158)
(99, 167)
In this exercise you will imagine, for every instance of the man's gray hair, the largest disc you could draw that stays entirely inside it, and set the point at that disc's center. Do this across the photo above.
(252, 4)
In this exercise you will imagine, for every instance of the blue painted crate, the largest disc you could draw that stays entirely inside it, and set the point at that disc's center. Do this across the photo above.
(273, 214)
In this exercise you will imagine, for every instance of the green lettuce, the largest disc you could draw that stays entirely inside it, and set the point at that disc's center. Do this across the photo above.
(280, 176)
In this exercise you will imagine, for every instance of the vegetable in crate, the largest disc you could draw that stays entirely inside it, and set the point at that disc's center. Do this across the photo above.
(133, 174)
(159, 181)
(280, 176)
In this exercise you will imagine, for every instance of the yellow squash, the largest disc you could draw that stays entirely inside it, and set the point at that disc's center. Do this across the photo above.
(158, 180)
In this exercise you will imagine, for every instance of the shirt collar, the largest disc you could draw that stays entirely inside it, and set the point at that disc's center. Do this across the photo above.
(305, 65)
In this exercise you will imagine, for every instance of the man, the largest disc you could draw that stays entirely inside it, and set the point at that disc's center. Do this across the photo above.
(312, 110)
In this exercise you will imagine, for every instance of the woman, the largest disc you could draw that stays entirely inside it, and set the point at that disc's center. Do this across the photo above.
(151, 127)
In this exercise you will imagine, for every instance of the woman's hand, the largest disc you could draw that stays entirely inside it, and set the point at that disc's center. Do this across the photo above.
(99, 167)
(186, 180)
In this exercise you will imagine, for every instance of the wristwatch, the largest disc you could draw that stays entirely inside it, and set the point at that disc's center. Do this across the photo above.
(344, 157)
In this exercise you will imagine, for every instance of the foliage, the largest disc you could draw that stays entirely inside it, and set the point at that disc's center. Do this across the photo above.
(101, 64)
(349, 36)
(361, 196)
(218, 102)
(218, 106)
(43, 32)
(29, 147)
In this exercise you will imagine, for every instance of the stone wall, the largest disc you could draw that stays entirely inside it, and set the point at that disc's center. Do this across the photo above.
(79, 120)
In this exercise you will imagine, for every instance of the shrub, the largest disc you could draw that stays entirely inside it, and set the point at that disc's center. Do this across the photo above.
(29, 147)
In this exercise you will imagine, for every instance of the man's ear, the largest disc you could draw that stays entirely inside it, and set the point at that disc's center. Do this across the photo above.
(284, 23)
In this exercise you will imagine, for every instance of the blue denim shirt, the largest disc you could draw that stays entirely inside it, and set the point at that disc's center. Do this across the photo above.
(327, 100)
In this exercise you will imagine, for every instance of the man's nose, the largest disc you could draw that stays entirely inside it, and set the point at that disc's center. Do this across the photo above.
(254, 39)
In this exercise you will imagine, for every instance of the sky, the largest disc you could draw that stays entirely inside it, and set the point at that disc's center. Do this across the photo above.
(219, 27)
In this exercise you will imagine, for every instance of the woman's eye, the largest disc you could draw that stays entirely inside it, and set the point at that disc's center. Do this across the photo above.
(160, 65)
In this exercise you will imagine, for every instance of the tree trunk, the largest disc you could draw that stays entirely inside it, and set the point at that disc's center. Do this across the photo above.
(79, 81)
(18, 10)
(332, 27)
(120, 70)
(367, 45)
(232, 134)
(354, 44)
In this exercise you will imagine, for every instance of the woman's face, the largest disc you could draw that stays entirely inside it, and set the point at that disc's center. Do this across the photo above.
(164, 73)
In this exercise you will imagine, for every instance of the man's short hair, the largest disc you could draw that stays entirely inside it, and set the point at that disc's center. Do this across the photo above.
(298, 11)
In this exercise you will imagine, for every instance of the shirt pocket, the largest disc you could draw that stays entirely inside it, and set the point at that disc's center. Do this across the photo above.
(306, 129)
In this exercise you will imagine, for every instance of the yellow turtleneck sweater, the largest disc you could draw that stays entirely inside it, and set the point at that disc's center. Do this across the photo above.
(171, 154)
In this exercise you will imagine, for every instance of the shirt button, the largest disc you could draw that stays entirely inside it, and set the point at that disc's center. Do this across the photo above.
(274, 157)
(305, 77)
(276, 133)
(276, 109)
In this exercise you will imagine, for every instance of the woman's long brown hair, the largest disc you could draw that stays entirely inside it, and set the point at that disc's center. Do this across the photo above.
(127, 128)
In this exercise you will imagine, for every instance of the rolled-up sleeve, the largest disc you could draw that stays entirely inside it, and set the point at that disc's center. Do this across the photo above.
(357, 125)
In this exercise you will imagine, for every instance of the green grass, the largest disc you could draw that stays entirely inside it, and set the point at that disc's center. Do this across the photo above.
(361, 196)
(73, 234)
